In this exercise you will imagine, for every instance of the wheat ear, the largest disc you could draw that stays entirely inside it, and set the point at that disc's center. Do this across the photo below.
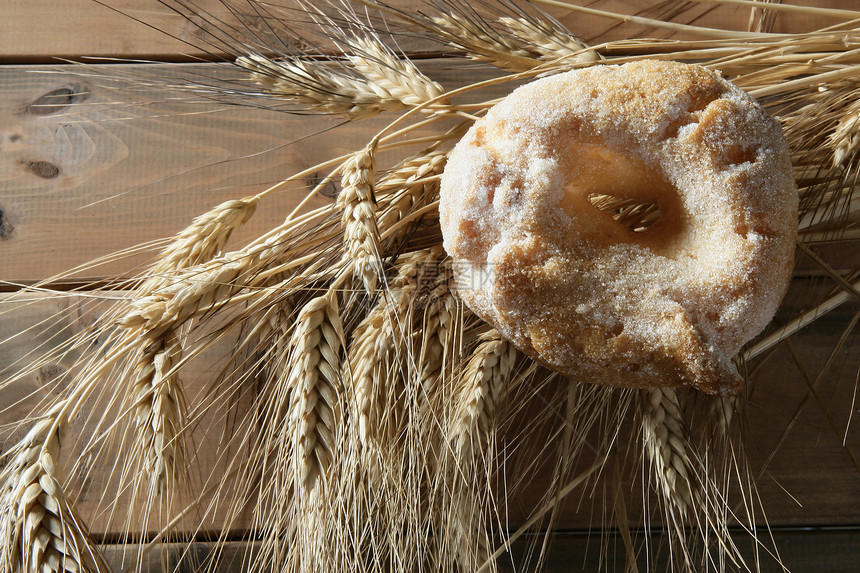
(204, 237)
(412, 184)
(436, 331)
(479, 392)
(467, 527)
(320, 87)
(483, 43)
(399, 77)
(369, 354)
(156, 389)
(845, 138)
(314, 375)
(40, 531)
(187, 292)
(376, 347)
(279, 325)
(358, 217)
(550, 42)
(666, 446)
(159, 407)
(722, 412)
(199, 288)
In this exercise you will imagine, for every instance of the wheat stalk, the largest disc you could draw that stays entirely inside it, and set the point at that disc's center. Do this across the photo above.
(358, 207)
(159, 411)
(40, 531)
(665, 442)
(314, 376)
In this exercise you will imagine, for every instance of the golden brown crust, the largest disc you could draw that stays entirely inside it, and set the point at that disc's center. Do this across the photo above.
(579, 291)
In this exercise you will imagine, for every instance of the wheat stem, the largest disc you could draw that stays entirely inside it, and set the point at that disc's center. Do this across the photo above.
(651, 22)
(806, 10)
(801, 321)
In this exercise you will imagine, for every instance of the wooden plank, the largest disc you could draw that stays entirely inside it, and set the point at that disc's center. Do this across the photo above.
(801, 551)
(809, 480)
(116, 163)
(114, 169)
(811, 550)
(42, 30)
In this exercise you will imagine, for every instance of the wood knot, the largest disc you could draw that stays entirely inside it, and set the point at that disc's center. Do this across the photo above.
(44, 169)
(51, 374)
(329, 190)
(6, 227)
(57, 100)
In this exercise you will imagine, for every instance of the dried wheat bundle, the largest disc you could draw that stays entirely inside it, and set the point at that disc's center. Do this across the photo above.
(363, 418)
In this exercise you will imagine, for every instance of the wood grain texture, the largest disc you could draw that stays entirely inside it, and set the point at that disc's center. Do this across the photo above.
(117, 166)
(97, 159)
(44, 30)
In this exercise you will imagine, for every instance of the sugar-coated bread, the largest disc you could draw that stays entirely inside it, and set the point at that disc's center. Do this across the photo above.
(668, 302)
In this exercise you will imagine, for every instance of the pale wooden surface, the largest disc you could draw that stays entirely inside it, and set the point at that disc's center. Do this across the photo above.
(43, 30)
(123, 166)
(120, 167)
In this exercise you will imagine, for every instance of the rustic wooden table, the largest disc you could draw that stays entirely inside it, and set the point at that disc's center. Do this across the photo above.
(117, 158)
